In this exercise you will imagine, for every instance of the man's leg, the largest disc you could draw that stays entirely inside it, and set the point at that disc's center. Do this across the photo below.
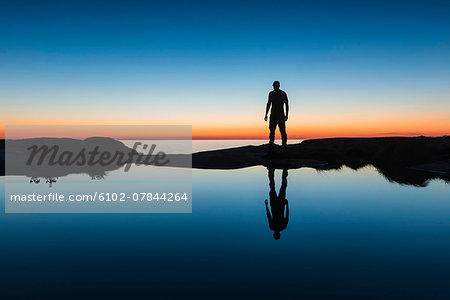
(272, 127)
(282, 126)
(271, 173)
(282, 192)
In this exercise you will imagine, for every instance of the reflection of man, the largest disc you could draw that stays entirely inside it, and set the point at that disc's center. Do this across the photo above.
(277, 221)
(277, 99)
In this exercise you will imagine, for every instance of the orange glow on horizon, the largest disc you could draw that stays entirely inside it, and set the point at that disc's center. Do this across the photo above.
(307, 131)
(307, 123)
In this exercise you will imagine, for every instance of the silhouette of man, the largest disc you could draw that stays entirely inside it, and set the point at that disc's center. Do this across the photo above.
(277, 98)
(277, 221)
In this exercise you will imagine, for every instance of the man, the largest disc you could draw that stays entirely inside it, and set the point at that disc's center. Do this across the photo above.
(279, 218)
(277, 98)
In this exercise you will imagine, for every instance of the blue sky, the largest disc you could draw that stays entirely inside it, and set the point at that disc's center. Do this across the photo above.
(202, 62)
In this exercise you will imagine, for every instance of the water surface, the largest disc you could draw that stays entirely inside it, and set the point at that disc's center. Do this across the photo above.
(351, 234)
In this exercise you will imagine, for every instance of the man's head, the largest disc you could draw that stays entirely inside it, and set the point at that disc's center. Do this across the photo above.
(276, 85)
(276, 235)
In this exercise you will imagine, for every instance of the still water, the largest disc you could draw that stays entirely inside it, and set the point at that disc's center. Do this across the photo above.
(350, 234)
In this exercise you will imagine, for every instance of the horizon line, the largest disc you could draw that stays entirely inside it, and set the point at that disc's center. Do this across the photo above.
(241, 138)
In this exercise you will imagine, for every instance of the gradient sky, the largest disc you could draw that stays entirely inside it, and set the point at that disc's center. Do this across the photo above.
(362, 68)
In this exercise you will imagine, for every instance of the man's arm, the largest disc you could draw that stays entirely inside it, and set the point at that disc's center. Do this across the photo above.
(267, 107)
(269, 217)
(287, 108)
